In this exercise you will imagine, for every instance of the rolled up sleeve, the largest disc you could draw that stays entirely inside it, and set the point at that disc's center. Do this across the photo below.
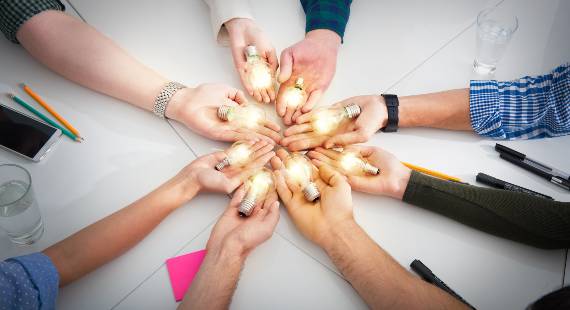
(222, 11)
(13, 14)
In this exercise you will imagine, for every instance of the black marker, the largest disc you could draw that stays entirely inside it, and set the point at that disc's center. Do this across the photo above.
(550, 177)
(500, 184)
(425, 273)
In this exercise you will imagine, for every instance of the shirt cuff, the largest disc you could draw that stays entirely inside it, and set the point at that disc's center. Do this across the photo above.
(222, 11)
(13, 14)
(331, 15)
(485, 108)
(43, 275)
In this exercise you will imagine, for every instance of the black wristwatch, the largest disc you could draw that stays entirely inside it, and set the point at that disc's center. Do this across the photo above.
(392, 106)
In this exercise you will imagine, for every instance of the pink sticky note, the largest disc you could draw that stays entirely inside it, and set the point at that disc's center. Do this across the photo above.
(182, 270)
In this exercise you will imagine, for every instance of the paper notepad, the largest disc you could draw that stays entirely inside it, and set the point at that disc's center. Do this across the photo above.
(182, 269)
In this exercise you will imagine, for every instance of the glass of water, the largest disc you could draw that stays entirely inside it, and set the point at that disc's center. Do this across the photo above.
(19, 213)
(495, 28)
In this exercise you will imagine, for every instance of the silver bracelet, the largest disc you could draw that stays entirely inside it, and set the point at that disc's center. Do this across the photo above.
(163, 98)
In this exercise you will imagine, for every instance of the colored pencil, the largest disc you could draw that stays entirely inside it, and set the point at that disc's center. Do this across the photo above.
(51, 110)
(431, 172)
(43, 117)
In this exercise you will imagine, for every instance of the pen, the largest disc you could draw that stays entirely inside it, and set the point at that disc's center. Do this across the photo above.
(552, 178)
(535, 163)
(500, 184)
(432, 172)
(43, 117)
(427, 275)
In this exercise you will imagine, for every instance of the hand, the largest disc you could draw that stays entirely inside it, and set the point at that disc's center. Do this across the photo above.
(201, 174)
(243, 32)
(315, 219)
(243, 234)
(313, 59)
(197, 108)
(374, 116)
(391, 181)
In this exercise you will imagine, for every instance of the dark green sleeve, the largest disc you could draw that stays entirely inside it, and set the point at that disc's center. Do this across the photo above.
(13, 14)
(520, 217)
(327, 14)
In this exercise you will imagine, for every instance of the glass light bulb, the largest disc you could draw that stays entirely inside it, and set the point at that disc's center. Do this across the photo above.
(300, 170)
(352, 163)
(243, 116)
(257, 70)
(238, 155)
(257, 186)
(295, 95)
(327, 120)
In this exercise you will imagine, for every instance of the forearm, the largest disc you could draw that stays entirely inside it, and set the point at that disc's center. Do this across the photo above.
(517, 216)
(108, 238)
(377, 277)
(327, 14)
(446, 110)
(215, 283)
(83, 55)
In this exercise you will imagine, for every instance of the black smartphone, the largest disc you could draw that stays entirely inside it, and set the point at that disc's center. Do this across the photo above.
(26, 136)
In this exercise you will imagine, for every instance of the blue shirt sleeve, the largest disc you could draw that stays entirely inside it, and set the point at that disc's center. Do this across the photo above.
(526, 108)
(28, 282)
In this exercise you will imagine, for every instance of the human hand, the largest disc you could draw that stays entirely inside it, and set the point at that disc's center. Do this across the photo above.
(197, 108)
(314, 219)
(313, 59)
(391, 181)
(373, 116)
(242, 234)
(243, 32)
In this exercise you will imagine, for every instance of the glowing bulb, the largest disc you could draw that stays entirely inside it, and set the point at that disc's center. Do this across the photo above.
(257, 70)
(248, 116)
(295, 95)
(300, 170)
(353, 163)
(326, 120)
(258, 185)
(238, 155)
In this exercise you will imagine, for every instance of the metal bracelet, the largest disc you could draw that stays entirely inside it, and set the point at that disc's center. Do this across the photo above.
(163, 98)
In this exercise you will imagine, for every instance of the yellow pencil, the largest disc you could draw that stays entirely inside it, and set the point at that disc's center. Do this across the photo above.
(51, 110)
(431, 172)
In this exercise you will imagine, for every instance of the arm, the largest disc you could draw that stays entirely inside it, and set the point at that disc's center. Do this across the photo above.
(326, 14)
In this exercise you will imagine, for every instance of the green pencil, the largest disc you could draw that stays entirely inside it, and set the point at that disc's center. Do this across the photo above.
(43, 117)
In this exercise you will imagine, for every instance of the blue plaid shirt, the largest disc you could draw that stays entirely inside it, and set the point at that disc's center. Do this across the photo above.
(526, 108)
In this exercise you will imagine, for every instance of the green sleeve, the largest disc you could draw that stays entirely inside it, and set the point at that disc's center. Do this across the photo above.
(520, 217)
(327, 14)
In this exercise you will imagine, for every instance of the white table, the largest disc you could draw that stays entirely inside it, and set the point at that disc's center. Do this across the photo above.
(404, 47)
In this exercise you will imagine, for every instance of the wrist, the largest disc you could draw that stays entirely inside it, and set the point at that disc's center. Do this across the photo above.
(175, 107)
(230, 250)
(384, 111)
(398, 187)
(236, 25)
(337, 233)
(325, 37)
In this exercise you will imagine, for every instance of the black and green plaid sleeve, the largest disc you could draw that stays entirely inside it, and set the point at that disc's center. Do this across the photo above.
(327, 14)
(14, 13)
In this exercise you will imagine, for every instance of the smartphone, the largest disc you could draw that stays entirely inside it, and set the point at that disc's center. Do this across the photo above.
(26, 136)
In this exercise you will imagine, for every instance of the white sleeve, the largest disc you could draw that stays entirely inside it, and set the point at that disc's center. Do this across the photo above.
(223, 10)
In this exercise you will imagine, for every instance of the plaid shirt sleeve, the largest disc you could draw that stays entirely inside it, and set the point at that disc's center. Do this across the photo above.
(327, 14)
(526, 108)
(14, 13)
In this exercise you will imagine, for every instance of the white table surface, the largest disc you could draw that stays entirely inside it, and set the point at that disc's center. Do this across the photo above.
(431, 48)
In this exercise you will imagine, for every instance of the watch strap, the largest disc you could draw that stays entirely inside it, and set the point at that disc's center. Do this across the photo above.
(392, 104)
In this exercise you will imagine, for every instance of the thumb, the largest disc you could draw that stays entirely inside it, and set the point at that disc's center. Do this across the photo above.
(344, 139)
(331, 176)
(286, 65)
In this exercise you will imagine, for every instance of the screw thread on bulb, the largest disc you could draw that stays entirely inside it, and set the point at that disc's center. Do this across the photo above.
(300, 83)
(251, 51)
(224, 163)
(246, 206)
(368, 168)
(311, 192)
(223, 112)
(352, 110)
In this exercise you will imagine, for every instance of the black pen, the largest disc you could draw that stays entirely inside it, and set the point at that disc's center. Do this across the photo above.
(552, 178)
(534, 163)
(425, 273)
(500, 184)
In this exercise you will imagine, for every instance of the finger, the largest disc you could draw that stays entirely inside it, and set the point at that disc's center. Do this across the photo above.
(313, 99)
(281, 186)
(232, 136)
(258, 145)
(271, 93)
(282, 154)
(261, 160)
(346, 139)
(280, 105)
(331, 176)
(252, 135)
(238, 96)
(332, 154)
(303, 118)
(297, 129)
(322, 158)
(273, 135)
(360, 183)
(257, 95)
(270, 198)
(288, 115)
(271, 125)
(276, 163)
(319, 164)
(272, 216)
(212, 159)
(264, 95)
(286, 66)
(271, 57)
(264, 150)
(237, 197)
(307, 143)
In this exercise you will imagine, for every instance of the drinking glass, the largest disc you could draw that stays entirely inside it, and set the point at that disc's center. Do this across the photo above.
(20, 216)
(495, 28)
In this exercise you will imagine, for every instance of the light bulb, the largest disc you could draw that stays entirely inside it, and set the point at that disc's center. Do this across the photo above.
(257, 186)
(300, 169)
(257, 70)
(239, 154)
(326, 120)
(295, 95)
(353, 163)
(248, 115)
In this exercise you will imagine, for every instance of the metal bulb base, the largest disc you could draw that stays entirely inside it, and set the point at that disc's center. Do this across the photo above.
(246, 206)
(251, 51)
(352, 110)
(368, 168)
(311, 192)
(223, 112)
(224, 163)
